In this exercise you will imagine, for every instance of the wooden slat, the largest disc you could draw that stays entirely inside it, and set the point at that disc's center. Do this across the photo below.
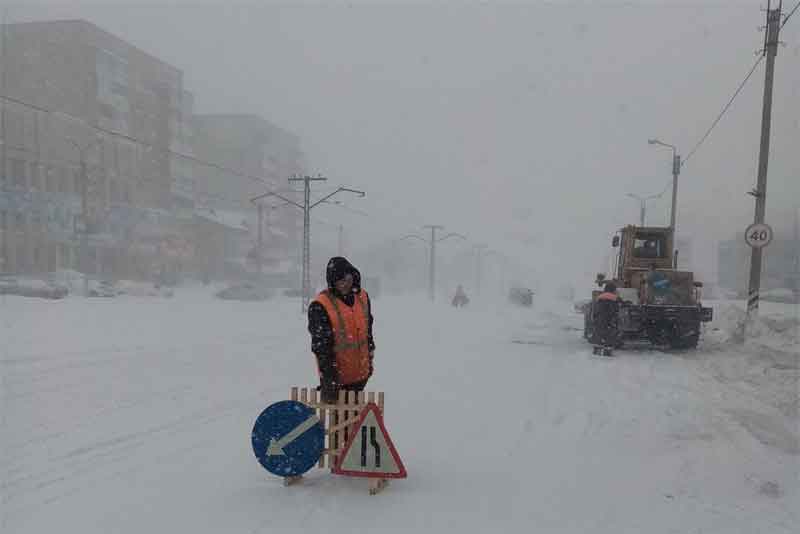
(380, 402)
(321, 412)
(359, 404)
(293, 394)
(334, 420)
(377, 485)
(371, 396)
(338, 427)
(346, 417)
(290, 481)
(304, 395)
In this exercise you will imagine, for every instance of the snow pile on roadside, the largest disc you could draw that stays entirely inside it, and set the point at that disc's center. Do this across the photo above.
(764, 363)
(777, 329)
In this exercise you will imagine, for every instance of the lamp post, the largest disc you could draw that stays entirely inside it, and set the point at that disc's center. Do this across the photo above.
(643, 204)
(307, 206)
(676, 171)
(432, 254)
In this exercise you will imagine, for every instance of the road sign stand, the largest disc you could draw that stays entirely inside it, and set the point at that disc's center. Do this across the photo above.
(291, 481)
(338, 420)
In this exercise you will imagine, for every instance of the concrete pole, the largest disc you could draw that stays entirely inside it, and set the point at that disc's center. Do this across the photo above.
(642, 210)
(479, 250)
(771, 50)
(260, 244)
(84, 246)
(676, 171)
(306, 243)
(432, 261)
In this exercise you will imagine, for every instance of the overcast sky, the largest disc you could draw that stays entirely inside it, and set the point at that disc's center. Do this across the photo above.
(522, 126)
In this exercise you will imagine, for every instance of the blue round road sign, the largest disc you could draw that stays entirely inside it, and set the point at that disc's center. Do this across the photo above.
(288, 438)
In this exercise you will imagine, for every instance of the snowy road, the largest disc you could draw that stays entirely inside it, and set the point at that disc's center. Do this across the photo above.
(133, 415)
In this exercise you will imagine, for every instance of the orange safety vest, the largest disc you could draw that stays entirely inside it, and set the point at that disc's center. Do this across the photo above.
(607, 296)
(350, 327)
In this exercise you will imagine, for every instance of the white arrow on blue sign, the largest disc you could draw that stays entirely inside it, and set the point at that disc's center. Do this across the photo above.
(288, 438)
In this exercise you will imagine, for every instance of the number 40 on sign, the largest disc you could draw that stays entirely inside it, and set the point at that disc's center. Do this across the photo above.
(758, 235)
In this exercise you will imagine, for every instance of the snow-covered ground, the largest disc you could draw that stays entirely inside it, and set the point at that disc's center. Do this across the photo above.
(133, 415)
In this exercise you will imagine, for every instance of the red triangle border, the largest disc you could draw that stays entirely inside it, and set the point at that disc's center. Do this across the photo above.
(337, 469)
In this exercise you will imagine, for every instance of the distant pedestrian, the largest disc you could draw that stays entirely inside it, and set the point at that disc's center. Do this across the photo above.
(460, 299)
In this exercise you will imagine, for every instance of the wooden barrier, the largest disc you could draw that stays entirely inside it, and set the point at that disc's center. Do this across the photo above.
(336, 418)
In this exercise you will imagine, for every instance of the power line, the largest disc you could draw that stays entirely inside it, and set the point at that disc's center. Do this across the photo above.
(724, 110)
(258, 179)
(785, 20)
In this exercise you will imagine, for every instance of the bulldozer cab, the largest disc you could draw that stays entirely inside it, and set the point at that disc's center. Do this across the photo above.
(645, 264)
(643, 247)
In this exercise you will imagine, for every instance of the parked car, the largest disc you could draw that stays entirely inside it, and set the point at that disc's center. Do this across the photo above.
(31, 287)
(247, 291)
(521, 296)
(103, 288)
(781, 295)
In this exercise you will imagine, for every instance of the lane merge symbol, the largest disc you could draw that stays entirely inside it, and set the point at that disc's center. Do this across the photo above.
(370, 451)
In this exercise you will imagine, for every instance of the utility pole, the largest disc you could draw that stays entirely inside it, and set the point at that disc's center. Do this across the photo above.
(760, 193)
(3, 134)
(479, 251)
(643, 204)
(432, 261)
(432, 254)
(796, 259)
(676, 171)
(83, 253)
(260, 251)
(307, 206)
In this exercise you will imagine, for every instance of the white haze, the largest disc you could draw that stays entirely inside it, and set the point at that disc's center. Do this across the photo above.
(522, 126)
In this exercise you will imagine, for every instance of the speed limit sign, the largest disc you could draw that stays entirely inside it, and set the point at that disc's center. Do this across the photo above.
(758, 235)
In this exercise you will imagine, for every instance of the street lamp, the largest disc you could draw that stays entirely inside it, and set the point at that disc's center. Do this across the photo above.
(676, 170)
(643, 204)
(432, 254)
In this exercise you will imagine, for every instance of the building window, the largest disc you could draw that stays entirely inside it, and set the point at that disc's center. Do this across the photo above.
(50, 180)
(113, 191)
(35, 177)
(17, 172)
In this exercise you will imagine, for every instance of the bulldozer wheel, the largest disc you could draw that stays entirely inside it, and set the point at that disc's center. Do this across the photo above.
(684, 342)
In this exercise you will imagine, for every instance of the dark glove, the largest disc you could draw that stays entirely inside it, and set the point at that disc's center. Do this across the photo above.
(371, 367)
(329, 391)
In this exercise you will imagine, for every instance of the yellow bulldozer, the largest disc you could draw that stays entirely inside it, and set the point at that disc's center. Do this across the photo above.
(659, 304)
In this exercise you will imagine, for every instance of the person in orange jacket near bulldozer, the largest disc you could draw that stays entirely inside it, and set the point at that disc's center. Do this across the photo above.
(340, 323)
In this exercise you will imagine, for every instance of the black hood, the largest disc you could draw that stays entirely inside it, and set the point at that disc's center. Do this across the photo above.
(337, 268)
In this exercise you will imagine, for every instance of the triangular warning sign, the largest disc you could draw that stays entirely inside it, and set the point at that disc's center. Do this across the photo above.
(369, 452)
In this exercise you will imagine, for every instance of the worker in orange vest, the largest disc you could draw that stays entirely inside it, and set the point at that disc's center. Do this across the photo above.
(606, 327)
(340, 324)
